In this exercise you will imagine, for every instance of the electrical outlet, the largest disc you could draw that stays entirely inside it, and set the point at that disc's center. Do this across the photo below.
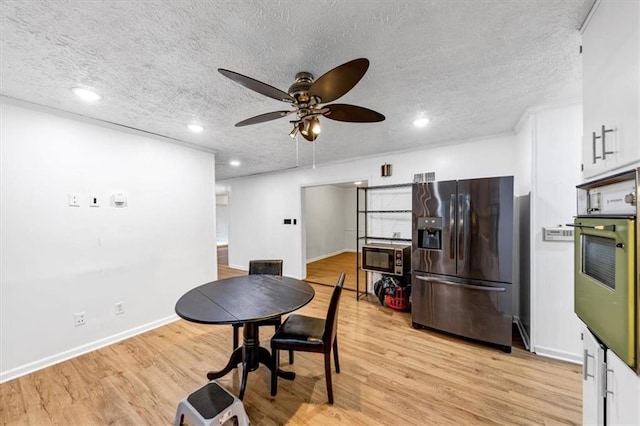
(396, 235)
(79, 319)
(118, 308)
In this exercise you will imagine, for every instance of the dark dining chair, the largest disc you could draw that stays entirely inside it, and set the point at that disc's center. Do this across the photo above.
(310, 334)
(263, 267)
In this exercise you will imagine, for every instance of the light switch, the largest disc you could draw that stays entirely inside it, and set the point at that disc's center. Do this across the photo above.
(94, 200)
(119, 199)
(74, 200)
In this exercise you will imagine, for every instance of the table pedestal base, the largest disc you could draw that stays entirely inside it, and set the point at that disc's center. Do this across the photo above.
(251, 355)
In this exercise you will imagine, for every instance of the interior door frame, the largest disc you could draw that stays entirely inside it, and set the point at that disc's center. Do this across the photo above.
(303, 220)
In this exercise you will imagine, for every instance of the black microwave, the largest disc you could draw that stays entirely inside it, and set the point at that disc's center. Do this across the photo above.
(392, 259)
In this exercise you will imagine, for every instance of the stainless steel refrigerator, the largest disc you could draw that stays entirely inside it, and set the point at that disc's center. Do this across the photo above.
(462, 258)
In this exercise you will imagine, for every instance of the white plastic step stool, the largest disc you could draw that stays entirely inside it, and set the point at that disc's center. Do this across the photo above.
(211, 405)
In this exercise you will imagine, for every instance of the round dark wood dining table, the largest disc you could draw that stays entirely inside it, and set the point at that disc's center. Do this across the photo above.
(246, 299)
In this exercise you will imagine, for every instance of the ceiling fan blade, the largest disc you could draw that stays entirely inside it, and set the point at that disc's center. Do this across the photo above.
(335, 83)
(264, 117)
(257, 86)
(351, 113)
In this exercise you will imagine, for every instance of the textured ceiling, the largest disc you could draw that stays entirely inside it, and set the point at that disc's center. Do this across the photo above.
(473, 67)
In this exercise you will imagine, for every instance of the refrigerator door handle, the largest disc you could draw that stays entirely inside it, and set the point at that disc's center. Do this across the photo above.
(461, 233)
(452, 218)
(469, 286)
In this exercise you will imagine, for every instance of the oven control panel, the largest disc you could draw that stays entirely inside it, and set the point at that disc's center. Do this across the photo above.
(612, 199)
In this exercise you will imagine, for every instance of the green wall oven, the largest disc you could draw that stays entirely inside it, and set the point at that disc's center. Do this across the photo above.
(606, 258)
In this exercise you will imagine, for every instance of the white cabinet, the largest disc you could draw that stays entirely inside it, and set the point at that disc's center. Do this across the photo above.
(610, 388)
(611, 88)
(592, 379)
(622, 393)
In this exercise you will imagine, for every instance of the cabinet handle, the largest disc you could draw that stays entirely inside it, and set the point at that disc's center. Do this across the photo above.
(604, 147)
(585, 365)
(606, 382)
(596, 227)
(594, 137)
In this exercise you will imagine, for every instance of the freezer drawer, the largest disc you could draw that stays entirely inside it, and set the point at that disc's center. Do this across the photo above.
(481, 311)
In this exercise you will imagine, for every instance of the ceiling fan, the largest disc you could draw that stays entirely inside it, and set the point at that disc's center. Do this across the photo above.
(306, 94)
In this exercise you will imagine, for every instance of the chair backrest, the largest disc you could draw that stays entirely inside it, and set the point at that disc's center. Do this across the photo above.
(331, 323)
(265, 267)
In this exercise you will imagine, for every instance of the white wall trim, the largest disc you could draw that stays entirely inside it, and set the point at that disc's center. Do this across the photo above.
(540, 108)
(556, 354)
(241, 267)
(83, 349)
(586, 21)
(533, 223)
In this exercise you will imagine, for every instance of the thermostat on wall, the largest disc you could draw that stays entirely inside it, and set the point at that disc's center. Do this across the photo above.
(559, 233)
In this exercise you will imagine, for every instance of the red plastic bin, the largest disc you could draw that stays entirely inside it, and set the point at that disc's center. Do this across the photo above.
(398, 301)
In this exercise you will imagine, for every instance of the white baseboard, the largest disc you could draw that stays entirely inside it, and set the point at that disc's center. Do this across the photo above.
(72, 353)
(240, 267)
(324, 256)
(556, 354)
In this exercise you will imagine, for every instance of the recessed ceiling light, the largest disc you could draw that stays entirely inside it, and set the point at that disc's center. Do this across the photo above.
(195, 127)
(86, 94)
(421, 121)
(234, 163)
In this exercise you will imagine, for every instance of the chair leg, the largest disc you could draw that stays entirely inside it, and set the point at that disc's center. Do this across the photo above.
(274, 371)
(327, 373)
(290, 357)
(335, 354)
(235, 336)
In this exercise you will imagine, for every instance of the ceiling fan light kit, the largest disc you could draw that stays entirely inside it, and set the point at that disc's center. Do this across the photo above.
(306, 94)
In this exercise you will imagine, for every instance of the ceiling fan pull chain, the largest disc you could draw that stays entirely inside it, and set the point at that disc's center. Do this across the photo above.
(313, 144)
(297, 152)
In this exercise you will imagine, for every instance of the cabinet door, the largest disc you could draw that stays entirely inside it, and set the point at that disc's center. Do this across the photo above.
(623, 391)
(592, 379)
(611, 75)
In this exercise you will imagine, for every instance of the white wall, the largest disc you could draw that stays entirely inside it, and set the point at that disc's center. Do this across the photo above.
(324, 221)
(556, 171)
(222, 224)
(278, 195)
(58, 260)
(350, 214)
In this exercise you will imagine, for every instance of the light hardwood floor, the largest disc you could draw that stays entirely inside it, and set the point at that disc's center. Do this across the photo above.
(390, 374)
(326, 270)
(322, 271)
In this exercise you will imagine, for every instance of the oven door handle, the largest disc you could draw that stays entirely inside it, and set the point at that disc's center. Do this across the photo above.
(596, 227)
(472, 287)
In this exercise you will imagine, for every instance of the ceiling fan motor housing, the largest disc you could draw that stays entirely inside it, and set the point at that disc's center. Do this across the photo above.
(300, 89)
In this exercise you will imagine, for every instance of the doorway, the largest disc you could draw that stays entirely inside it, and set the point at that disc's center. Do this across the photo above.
(222, 228)
(329, 232)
